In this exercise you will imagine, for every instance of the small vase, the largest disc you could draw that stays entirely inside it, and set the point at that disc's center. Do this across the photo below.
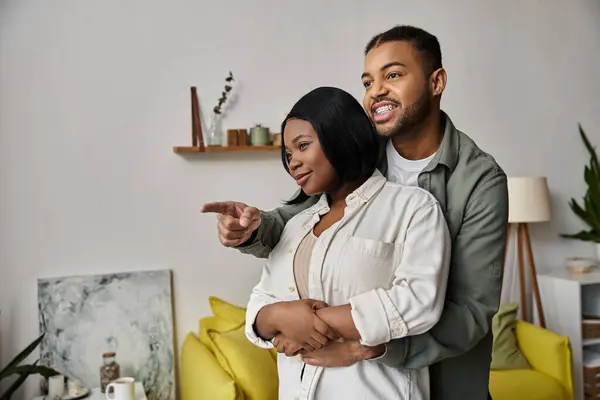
(214, 135)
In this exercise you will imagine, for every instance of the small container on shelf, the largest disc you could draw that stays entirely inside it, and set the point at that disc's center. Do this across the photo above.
(109, 371)
(590, 327)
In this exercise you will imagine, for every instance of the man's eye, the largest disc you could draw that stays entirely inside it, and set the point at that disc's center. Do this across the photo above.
(367, 84)
(394, 75)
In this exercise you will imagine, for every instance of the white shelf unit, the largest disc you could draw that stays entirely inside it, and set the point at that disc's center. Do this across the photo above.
(566, 298)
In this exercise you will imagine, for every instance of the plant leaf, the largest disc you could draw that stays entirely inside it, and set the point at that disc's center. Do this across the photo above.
(592, 204)
(23, 376)
(42, 370)
(580, 212)
(591, 150)
(587, 236)
(20, 357)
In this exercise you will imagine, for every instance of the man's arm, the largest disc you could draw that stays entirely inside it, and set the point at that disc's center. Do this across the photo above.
(474, 285)
(266, 237)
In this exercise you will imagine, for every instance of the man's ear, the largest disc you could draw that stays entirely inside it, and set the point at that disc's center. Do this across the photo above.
(438, 81)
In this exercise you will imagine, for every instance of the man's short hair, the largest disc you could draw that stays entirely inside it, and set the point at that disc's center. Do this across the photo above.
(424, 42)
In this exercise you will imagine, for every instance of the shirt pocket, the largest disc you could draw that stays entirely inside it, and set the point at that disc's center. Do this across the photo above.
(365, 264)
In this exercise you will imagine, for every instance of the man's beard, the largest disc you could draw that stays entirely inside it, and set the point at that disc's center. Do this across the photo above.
(411, 116)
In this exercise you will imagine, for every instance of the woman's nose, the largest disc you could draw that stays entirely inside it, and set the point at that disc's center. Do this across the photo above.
(294, 163)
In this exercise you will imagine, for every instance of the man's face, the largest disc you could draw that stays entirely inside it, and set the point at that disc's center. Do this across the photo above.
(397, 92)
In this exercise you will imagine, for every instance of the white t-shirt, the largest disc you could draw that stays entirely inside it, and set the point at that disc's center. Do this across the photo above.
(401, 170)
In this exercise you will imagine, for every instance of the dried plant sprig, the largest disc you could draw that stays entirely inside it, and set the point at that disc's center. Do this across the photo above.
(229, 82)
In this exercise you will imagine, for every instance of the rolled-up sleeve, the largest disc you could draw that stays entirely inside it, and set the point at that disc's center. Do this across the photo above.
(261, 296)
(414, 303)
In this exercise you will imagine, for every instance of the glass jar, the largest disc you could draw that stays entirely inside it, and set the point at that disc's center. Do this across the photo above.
(109, 371)
(215, 136)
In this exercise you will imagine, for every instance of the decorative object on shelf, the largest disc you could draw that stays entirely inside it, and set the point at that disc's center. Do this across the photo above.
(232, 137)
(129, 313)
(197, 137)
(109, 370)
(259, 135)
(24, 371)
(590, 212)
(579, 265)
(242, 137)
(215, 136)
(277, 139)
(528, 202)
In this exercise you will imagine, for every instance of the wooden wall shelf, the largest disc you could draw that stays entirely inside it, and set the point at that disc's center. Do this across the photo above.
(221, 149)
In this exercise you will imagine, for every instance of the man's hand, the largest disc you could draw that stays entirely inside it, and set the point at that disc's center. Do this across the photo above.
(342, 353)
(237, 221)
(297, 321)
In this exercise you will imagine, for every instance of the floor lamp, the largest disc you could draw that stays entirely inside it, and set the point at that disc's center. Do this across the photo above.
(528, 202)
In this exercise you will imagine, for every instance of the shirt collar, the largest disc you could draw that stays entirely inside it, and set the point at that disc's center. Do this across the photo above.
(447, 153)
(362, 194)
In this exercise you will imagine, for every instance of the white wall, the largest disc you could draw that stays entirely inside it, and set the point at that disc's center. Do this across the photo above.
(93, 95)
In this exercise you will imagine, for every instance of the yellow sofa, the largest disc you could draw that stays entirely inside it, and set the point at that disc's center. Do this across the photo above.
(220, 363)
(550, 378)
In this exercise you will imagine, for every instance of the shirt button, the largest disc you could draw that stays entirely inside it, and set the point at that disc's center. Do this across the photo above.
(291, 288)
(403, 282)
(290, 250)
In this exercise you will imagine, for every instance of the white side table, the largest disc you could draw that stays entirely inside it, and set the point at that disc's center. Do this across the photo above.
(566, 298)
(96, 394)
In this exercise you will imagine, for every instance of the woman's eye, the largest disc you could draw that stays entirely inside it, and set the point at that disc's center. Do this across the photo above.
(302, 146)
(288, 156)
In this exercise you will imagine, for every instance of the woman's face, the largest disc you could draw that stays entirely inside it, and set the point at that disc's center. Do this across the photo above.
(307, 162)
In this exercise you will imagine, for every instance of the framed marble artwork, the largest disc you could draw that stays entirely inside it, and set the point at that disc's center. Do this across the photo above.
(129, 313)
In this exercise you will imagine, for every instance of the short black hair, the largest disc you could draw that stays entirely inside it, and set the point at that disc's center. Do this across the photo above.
(424, 42)
(346, 134)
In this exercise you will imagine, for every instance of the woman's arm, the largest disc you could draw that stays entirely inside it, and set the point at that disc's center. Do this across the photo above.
(267, 316)
(261, 298)
(415, 301)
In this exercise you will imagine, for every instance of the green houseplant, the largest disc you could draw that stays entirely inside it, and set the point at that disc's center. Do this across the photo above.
(23, 370)
(589, 210)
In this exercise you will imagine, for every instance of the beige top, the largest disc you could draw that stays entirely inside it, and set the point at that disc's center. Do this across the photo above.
(302, 263)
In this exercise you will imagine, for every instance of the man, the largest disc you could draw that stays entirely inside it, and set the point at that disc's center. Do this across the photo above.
(404, 80)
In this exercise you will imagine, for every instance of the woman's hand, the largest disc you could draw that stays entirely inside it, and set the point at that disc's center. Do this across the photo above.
(287, 346)
(297, 321)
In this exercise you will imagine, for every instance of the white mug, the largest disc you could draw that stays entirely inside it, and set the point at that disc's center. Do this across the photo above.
(56, 386)
(123, 389)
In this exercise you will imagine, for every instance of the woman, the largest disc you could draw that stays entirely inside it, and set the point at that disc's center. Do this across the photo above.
(368, 262)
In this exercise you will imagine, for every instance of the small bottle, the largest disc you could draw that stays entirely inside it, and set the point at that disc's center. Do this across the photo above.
(109, 371)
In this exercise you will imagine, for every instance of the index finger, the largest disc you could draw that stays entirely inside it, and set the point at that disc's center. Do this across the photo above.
(218, 207)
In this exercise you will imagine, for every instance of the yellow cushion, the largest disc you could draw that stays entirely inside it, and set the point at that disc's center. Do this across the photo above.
(227, 311)
(253, 368)
(201, 375)
(231, 313)
(525, 384)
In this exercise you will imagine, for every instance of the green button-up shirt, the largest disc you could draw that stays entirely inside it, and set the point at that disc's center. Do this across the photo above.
(472, 191)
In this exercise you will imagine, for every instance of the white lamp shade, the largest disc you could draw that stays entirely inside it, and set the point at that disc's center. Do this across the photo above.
(528, 200)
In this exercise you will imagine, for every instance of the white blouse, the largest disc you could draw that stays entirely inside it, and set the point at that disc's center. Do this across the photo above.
(388, 257)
